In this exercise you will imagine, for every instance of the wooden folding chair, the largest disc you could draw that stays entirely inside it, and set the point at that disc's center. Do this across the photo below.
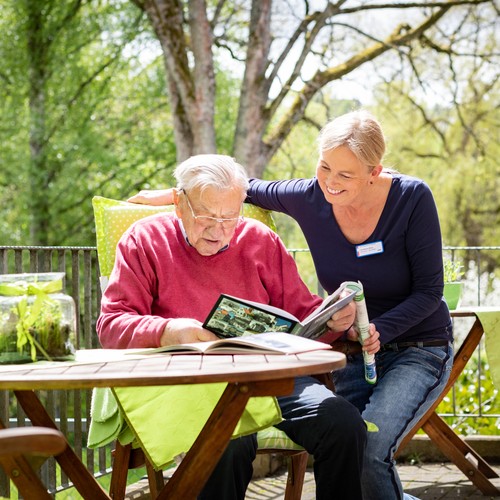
(22, 450)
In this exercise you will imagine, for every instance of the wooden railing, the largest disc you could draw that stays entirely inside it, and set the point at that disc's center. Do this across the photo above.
(71, 409)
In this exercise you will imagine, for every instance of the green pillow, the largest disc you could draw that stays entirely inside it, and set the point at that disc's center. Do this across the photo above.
(273, 438)
(114, 217)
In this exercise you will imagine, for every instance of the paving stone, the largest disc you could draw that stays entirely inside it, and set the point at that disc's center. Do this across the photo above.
(428, 481)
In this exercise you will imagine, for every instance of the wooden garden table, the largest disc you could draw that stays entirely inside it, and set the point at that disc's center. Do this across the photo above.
(246, 375)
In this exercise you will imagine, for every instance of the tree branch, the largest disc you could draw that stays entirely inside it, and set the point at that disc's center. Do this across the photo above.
(411, 5)
(402, 35)
(320, 20)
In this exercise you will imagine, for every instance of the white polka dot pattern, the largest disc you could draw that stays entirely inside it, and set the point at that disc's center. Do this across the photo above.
(257, 213)
(113, 217)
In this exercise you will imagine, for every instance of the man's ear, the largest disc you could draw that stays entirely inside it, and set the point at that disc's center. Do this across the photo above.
(176, 196)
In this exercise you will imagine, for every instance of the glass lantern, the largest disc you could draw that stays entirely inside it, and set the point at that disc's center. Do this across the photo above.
(37, 320)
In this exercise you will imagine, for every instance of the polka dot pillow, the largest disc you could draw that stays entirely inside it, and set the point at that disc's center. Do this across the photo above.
(113, 217)
(257, 213)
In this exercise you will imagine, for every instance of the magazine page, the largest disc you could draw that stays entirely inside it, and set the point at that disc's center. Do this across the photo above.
(195, 348)
(333, 297)
(261, 343)
(235, 317)
(271, 342)
(315, 324)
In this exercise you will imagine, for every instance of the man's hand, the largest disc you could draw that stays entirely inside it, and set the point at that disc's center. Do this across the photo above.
(342, 319)
(185, 330)
(372, 344)
(155, 197)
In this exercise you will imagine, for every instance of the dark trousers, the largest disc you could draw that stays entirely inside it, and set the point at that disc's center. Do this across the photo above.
(233, 473)
(326, 425)
(332, 431)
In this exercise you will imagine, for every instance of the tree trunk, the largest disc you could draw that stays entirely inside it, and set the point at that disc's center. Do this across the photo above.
(192, 90)
(38, 173)
(249, 148)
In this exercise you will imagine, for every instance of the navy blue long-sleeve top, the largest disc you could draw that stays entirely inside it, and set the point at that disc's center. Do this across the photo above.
(403, 285)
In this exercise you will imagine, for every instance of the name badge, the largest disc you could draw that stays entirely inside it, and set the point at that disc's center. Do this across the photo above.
(367, 249)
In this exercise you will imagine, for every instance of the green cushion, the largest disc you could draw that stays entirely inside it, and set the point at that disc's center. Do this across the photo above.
(257, 213)
(113, 217)
(273, 438)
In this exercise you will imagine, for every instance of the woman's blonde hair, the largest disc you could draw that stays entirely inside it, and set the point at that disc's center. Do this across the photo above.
(360, 132)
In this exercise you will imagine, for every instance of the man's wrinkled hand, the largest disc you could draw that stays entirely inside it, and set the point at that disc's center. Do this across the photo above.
(184, 331)
(342, 319)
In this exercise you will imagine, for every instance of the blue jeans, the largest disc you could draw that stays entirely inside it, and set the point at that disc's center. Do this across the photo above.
(409, 381)
(326, 425)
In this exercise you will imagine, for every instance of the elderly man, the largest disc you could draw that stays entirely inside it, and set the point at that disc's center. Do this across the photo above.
(169, 271)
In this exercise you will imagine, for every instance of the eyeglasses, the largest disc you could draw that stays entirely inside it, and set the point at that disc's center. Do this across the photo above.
(207, 221)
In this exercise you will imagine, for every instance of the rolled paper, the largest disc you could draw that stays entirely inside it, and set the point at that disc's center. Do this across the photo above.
(362, 326)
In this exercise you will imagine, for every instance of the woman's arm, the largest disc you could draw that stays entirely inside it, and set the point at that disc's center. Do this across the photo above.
(155, 197)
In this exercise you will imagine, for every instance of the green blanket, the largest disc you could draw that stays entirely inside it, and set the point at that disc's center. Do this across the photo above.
(107, 423)
(165, 420)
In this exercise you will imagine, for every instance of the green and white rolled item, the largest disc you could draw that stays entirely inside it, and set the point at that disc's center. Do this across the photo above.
(362, 326)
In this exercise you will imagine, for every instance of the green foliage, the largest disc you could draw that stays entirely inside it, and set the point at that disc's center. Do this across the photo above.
(453, 147)
(470, 398)
(226, 110)
(453, 270)
(103, 127)
(85, 111)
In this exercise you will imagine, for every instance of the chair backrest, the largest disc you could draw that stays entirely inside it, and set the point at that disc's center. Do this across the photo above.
(114, 217)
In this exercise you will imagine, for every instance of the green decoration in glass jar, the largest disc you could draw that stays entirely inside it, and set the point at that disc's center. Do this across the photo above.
(37, 320)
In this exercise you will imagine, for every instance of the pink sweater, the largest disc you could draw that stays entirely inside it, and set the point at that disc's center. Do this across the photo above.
(158, 276)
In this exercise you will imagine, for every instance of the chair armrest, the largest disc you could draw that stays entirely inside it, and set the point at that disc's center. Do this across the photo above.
(39, 441)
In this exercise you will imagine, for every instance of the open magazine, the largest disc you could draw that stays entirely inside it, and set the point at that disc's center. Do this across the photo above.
(260, 343)
(234, 317)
